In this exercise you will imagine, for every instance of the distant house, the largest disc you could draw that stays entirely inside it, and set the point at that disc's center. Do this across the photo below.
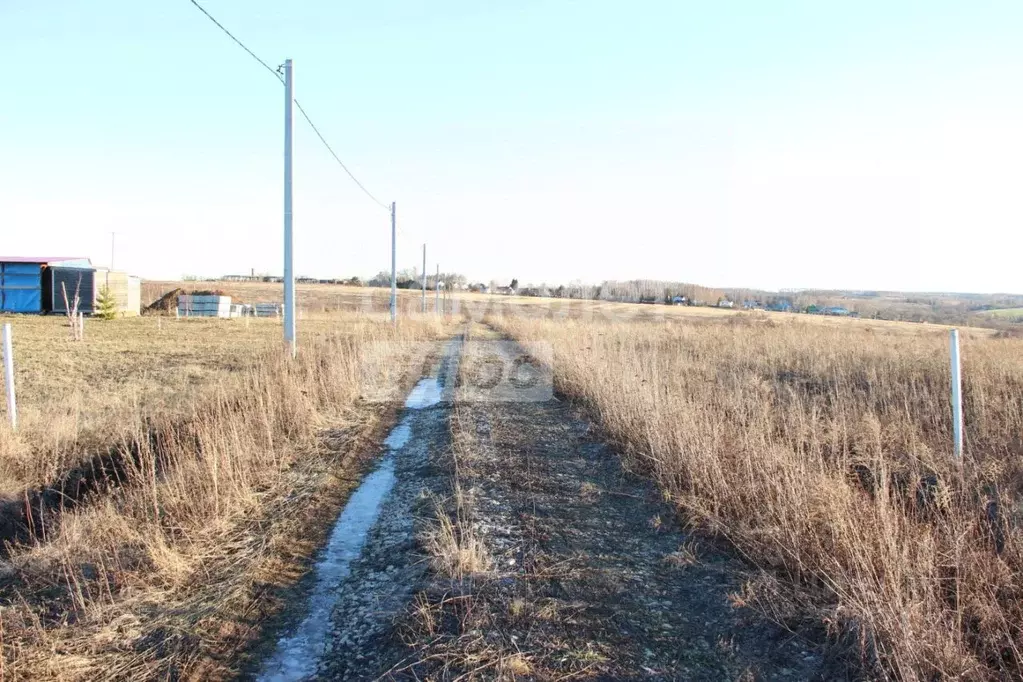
(725, 303)
(752, 305)
(679, 300)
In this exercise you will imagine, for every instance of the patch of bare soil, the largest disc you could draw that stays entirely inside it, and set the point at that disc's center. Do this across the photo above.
(590, 574)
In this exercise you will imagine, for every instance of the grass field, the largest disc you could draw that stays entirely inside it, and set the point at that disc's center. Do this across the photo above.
(327, 298)
(1011, 313)
(150, 488)
(73, 397)
(819, 448)
(822, 452)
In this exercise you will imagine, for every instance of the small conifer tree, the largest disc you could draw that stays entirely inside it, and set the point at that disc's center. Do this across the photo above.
(106, 306)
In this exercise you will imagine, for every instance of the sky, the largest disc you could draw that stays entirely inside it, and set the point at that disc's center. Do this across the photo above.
(783, 144)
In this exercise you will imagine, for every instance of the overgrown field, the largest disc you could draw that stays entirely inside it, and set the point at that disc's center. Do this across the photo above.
(824, 454)
(166, 480)
(310, 299)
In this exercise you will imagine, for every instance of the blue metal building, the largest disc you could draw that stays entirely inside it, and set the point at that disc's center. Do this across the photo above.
(22, 280)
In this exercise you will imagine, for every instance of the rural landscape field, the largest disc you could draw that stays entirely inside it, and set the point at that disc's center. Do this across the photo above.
(694, 494)
(532, 341)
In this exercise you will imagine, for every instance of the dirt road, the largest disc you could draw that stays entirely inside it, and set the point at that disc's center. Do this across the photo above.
(554, 563)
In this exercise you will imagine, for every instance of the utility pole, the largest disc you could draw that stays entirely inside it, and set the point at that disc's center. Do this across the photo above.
(394, 272)
(289, 273)
(436, 292)
(424, 278)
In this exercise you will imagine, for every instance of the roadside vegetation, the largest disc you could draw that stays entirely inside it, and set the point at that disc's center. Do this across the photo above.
(823, 454)
(169, 478)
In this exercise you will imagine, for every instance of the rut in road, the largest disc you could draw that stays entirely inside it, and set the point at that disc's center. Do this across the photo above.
(369, 568)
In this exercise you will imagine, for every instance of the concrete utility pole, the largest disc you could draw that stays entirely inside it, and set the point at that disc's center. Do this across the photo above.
(436, 291)
(289, 273)
(394, 271)
(424, 278)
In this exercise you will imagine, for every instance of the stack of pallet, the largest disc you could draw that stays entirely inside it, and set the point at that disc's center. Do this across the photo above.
(266, 309)
(197, 305)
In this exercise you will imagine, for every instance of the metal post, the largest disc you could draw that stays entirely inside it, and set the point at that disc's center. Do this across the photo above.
(424, 278)
(394, 265)
(957, 396)
(289, 274)
(436, 292)
(12, 407)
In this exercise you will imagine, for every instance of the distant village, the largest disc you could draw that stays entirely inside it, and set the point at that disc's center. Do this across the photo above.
(940, 308)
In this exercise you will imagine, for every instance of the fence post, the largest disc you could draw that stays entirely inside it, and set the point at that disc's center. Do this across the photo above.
(12, 407)
(957, 396)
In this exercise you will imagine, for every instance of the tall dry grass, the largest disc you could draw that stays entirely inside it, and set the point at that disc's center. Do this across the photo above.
(155, 575)
(453, 544)
(824, 455)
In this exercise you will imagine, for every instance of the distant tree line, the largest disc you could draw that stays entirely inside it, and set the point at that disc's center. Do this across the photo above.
(411, 278)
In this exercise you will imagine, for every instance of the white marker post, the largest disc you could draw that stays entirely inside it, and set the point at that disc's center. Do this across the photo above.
(424, 279)
(957, 396)
(436, 292)
(12, 406)
(289, 274)
(394, 271)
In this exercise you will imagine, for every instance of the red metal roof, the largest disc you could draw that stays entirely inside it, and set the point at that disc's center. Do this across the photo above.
(40, 259)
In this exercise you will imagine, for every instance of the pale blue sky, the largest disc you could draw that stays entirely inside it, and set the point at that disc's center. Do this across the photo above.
(773, 144)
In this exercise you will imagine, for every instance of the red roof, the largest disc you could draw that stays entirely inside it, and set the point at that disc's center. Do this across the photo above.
(39, 259)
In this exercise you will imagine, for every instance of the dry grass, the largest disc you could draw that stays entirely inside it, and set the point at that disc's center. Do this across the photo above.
(225, 448)
(455, 549)
(77, 398)
(823, 453)
(310, 299)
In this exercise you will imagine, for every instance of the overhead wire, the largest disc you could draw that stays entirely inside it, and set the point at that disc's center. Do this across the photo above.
(277, 74)
(339, 161)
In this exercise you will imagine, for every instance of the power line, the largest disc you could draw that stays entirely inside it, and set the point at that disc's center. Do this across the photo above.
(339, 161)
(275, 72)
(277, 75)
